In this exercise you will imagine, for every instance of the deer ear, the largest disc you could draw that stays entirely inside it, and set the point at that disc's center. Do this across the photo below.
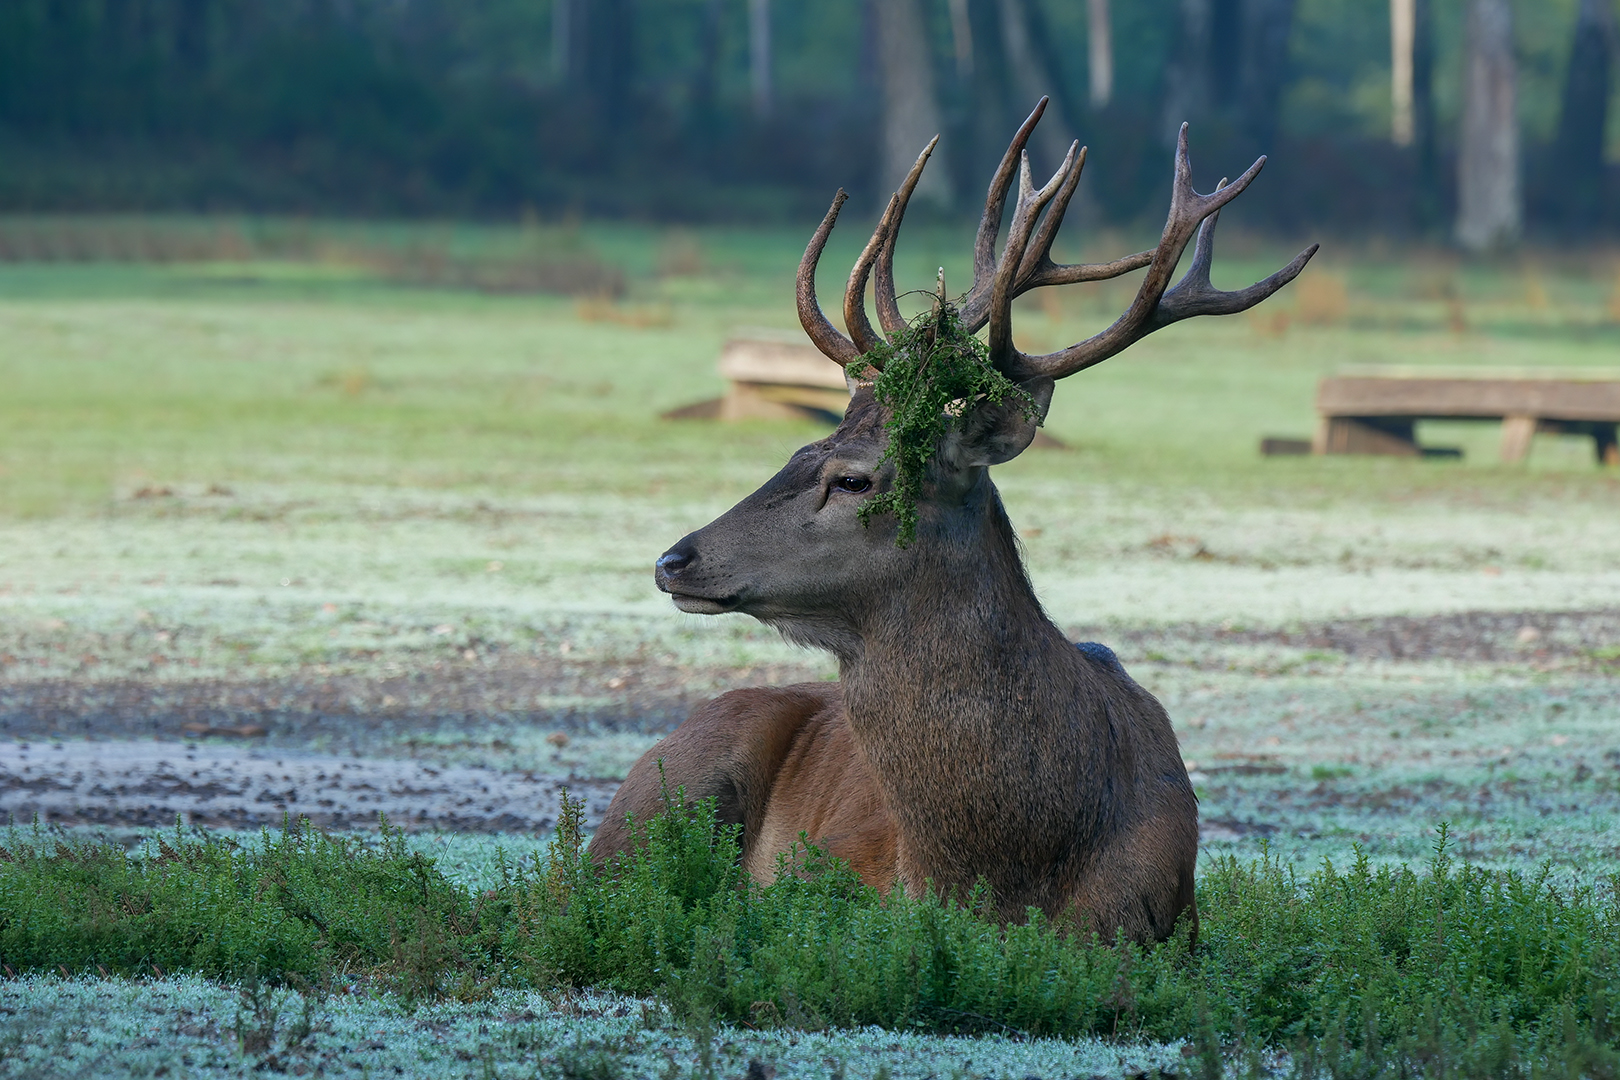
(992, 434)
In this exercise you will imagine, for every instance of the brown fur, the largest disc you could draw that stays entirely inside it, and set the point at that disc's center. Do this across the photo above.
(778, 762)
(967, 739)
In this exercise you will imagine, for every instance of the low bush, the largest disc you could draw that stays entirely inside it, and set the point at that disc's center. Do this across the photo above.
(1360, 971)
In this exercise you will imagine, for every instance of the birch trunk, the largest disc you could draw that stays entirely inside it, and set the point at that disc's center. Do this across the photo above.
(1100, 49)
(1402, 38)
(1489, 201)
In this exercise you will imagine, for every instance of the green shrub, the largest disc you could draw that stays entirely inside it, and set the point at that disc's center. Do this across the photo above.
(1360, 971)
(301, 904)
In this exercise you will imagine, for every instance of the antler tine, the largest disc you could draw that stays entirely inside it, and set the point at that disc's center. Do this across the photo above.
(860, 327)
(976, 305)
(880, 249)
(1190, 213)
(1038, 269)
(1028, 210)
(1040, 245)
(1194, 295)
(883, 291)
(833, 344)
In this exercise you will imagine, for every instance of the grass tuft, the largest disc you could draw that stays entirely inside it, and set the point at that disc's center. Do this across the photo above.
(1360, 971)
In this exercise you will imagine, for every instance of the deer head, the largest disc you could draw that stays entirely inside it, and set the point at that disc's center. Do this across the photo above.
(796, 553)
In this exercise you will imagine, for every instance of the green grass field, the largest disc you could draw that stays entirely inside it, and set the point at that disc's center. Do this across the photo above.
(292, 468)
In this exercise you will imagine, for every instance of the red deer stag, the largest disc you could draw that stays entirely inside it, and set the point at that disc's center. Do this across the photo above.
(966, 738)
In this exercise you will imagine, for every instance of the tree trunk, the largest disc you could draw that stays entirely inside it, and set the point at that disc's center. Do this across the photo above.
(191, 34)
(867, 77)
(1232, 57)
(1402, 32)
(1266, 28)
(962, 38)
(1032, 78)
(1226, 51)
(703, 120)
(603, 61)
(1100, 53)
(1186, 79)
(992, 115)
(562, 40)
(1489, 202)
(911, 113)
(1424, 132)
(1582, 123)
(759, 55)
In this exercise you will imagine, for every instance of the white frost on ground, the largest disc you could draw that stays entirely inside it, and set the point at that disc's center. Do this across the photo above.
(294, 575)
(189, 1027)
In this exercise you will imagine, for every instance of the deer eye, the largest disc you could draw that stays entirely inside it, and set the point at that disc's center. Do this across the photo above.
(856, 484)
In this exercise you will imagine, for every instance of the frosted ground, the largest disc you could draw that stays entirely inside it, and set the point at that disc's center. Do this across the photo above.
(414, 531)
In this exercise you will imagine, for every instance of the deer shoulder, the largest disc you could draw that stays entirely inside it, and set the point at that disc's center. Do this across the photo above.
(781, 763)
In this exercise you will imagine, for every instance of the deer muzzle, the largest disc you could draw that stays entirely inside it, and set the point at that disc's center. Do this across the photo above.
(672, 572)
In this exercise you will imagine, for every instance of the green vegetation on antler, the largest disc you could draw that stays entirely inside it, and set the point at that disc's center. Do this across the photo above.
(931, 375)
(1381, 966)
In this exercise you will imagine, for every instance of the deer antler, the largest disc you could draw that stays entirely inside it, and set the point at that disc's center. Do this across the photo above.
(1026, 263)
(863, 338)
(1036, 269)
(1035, 265)
(826, 338)
(882, 241)
(1154, 307)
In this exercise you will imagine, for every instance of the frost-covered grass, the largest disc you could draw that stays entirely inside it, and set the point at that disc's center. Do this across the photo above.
(493, 478)
(286, 475)
(187, 1026)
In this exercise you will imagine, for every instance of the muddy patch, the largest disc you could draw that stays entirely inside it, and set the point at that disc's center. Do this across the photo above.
(129, 783)
(353, 712)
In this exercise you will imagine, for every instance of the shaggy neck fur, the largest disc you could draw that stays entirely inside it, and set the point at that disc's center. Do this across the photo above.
(971, 708)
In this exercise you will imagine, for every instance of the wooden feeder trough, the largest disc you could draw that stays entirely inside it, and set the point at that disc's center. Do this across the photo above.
(1375, 409)
(772, 376)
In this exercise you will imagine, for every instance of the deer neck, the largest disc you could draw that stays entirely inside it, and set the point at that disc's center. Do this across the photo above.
(964, 617)
(960, 698)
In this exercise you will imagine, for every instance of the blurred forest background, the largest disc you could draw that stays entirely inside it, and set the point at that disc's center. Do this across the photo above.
(1481, 121)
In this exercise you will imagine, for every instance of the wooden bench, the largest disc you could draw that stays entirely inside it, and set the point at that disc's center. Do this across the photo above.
(778, 375)
(1374, 410)
(772, 376)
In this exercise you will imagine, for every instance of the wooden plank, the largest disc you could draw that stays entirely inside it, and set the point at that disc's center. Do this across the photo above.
(1340, 435)
(770, 401)
(770, 360)
(1516, 434)
(1463, 371)
(1477, 398)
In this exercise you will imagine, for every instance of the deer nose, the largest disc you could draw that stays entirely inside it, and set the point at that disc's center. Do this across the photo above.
(675, 560)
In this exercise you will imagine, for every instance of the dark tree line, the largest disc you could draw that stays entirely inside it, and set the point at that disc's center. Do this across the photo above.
(757, 109)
